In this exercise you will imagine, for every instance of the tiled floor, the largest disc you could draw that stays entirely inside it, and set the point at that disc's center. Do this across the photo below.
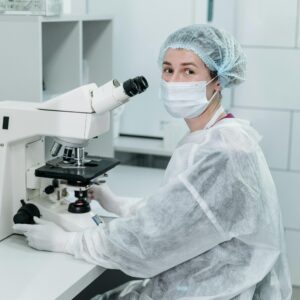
(296, 293)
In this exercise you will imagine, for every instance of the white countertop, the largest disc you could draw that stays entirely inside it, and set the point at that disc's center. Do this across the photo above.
(26, 273)
(141, 145)
(134, 181)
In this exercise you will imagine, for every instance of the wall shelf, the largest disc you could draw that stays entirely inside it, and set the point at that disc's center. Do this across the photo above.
(41, 57)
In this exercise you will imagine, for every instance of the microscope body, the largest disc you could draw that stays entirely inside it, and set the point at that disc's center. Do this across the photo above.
(22, 151)
(72, 119)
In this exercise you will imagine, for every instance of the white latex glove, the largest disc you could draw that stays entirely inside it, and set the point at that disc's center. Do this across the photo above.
(45, 235)
(121, 206)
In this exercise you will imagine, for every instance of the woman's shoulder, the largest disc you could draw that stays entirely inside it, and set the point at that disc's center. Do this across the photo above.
(227, 139)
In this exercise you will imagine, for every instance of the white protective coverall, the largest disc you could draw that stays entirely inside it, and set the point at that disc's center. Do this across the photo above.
(212, 231)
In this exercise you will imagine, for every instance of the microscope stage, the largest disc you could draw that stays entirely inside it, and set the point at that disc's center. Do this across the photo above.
(93, 167)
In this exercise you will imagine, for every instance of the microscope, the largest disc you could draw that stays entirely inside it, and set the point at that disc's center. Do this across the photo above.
(56, 190)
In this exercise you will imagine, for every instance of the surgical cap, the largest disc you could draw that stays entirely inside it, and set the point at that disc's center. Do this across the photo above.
(215, 47)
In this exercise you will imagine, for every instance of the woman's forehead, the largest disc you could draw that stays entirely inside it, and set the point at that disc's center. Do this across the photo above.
(182, 56)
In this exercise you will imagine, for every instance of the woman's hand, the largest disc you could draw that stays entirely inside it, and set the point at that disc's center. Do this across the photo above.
(121, 206)
(105, 197)
(45, 235)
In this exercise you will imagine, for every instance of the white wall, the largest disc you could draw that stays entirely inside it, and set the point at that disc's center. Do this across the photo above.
(269, 33)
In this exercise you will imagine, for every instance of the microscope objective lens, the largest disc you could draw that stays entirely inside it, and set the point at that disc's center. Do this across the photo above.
(67, 156)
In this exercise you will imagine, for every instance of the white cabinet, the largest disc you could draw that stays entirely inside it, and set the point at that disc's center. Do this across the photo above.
(44, 56)
(266, 23)
(141, 28)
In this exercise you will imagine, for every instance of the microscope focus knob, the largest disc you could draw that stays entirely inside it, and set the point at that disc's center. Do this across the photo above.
(49, 189)
(26, 213)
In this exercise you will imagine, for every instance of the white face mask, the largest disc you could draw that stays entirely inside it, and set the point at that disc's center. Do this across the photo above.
(185, 99)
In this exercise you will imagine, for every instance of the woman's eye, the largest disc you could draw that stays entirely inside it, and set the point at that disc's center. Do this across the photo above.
(189, 72)
(167, 70)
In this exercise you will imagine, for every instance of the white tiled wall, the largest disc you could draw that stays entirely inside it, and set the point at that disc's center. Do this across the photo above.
(288, 187)
(272, 79)
(270, 35)
(292, 242)
(275, 133)
(295, 151)
(267, 23)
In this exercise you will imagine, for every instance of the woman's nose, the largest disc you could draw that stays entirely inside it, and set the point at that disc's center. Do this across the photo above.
(175, 77)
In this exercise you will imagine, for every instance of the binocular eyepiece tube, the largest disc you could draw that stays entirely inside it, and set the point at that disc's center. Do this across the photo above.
(135, 86)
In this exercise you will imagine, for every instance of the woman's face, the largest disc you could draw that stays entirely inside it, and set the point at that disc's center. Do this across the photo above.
(182, 65)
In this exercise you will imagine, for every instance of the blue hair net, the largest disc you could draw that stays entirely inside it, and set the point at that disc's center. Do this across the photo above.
(216, 48)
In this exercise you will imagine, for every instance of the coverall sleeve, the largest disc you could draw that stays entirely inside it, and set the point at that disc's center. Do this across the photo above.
(172, 226)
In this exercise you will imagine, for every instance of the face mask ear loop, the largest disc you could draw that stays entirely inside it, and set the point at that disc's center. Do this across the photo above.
(211, 80)
(216, 92)
(213, 96)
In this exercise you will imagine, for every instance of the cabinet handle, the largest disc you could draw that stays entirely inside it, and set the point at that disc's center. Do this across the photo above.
(210, 10)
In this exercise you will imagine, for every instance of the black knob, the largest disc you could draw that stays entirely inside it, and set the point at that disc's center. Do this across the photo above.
(79, 207)
(26, 213)
(49, 189)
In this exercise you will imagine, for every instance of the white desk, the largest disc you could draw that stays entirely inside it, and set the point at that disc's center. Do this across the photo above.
(141, 145)
(26, 273)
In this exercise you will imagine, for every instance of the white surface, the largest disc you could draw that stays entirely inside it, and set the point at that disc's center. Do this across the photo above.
(295, 152)
(266, 23)
(288, 187)
(274, 126)
(272, 78)
(298, 39)
(134, 181)
(141, 145)
(28, 274)
(292, 244)
(220, 19)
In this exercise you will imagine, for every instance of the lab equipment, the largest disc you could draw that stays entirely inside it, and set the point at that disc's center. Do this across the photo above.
(72, 119)
(31, 7)
(215, 47)
(212, 231)
(185, 99)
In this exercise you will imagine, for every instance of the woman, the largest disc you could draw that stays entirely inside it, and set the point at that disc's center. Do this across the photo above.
(213, 230)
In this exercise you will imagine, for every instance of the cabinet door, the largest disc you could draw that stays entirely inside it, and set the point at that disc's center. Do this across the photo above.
(266, 23)
(140, 29)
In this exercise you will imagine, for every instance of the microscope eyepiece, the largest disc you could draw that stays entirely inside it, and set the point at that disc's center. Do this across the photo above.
(55, 148)
(135, 86)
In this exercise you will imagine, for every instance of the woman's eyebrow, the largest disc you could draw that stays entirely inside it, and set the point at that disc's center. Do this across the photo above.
(167, 63)
(189, 63)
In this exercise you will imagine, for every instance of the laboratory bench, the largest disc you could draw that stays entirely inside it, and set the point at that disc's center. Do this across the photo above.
(26, 273)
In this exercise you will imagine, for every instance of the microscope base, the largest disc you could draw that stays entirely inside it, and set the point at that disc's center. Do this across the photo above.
(58, 213)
